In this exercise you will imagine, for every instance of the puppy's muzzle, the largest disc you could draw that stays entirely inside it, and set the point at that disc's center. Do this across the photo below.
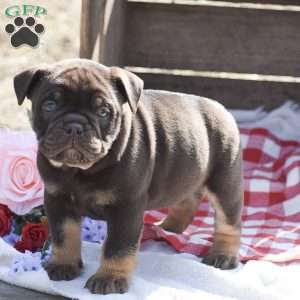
(71, 140)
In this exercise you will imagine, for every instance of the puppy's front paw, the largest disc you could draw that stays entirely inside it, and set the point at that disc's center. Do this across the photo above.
(221, 261)
(59, 272)
(101, 284)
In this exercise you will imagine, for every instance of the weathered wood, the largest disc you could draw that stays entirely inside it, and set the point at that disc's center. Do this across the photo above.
(212, 38)
(283, 2)
(105, 20)
(91, 24)
(242, 94)
(111, 44)
(10, 292)
(224, 2)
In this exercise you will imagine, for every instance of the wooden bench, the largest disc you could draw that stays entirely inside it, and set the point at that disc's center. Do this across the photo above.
(242, 53)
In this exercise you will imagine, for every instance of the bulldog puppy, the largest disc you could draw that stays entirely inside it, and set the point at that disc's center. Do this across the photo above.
(109, 149)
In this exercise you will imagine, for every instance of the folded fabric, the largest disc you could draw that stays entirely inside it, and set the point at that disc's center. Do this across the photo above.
(162, 274)
(282, 121)
(271, 215)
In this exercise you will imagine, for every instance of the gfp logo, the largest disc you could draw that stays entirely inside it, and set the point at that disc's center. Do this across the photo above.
(24, 30)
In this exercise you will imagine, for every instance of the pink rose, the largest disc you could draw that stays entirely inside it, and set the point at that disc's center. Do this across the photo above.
(21, 188)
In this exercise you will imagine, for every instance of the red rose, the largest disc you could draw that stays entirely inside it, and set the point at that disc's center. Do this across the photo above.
(5, 220)
(33, 237)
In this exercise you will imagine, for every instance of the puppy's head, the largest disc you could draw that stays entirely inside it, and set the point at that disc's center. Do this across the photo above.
(77, 108)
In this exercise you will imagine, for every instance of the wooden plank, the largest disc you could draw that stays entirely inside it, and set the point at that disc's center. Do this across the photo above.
(225, 2)
(242, 94)
(10, 292)
(213, 38)
(111, 45)
(91, 24)
(283, 2)
(214, 74)
(230, 4)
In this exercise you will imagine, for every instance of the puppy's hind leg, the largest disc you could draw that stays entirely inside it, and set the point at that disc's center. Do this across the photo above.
(225, 191)
(180, 215)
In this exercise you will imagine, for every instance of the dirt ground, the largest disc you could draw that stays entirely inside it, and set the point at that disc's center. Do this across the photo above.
(60, 40)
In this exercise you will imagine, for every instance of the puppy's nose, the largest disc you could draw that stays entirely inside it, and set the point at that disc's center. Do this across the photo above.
(74, 129)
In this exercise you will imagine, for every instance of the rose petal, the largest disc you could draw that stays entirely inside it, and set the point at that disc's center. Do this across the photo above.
(20, 182)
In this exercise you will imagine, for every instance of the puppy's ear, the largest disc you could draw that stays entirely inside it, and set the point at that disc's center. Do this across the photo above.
(26, 80)
(129, 85)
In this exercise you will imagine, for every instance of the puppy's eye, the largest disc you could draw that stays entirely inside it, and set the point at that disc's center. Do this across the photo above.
(49, 106)
(104, 112)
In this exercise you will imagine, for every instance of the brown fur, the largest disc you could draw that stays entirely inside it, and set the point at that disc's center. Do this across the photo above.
(69, 251)
(119, 267)
(180, 215)
(227, 236)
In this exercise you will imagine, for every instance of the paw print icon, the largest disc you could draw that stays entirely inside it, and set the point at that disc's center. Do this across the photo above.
(24, 32)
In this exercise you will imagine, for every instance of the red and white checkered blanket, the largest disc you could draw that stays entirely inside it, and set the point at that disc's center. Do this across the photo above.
(271, 216)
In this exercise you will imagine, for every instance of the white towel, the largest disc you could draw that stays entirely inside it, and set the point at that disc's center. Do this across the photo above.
(163, 274)
(283, 121)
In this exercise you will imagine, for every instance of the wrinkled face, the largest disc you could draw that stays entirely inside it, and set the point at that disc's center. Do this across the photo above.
(78, 117)
(77, 111)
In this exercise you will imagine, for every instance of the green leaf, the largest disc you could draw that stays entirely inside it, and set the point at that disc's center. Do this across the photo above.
(46, 247)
